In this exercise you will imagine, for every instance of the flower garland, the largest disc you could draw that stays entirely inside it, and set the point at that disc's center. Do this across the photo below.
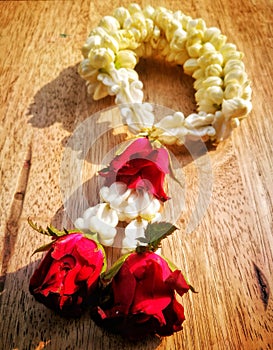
(114, 47)
(136, 296)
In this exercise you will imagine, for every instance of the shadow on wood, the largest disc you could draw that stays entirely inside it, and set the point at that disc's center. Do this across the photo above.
(38, 327)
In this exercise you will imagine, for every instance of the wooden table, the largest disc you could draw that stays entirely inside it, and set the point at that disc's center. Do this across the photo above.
(228, 254)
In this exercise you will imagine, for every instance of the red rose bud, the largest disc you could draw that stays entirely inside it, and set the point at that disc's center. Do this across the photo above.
(142, 298)
(140, 166)
(68, 274)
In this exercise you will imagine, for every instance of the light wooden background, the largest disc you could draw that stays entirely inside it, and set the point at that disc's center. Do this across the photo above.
(228, 194)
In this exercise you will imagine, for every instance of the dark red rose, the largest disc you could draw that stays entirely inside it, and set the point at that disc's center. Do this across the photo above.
(142, 298)
(140, 166)
(68, 274)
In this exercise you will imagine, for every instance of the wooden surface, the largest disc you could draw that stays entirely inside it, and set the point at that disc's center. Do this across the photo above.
(228, 196)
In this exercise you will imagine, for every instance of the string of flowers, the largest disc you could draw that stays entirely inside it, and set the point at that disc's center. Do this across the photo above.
(136, 296)
(114, 47)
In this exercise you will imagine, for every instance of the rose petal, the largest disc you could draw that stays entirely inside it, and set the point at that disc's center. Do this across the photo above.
(160, 156)
(65, 245)
(69, 281)
(176, 281)
(85, 249)
(124, 293)
(174, 315)
(153, 307)
(141, 144)
(67, 274)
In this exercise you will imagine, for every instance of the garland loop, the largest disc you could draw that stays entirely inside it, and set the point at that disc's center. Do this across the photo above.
(113, 48)
(136, 297)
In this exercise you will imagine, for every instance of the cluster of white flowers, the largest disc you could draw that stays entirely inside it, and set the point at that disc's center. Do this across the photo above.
(113, 48)
(119, 203)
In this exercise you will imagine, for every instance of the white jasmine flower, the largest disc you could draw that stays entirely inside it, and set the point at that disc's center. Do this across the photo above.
(137, 116)
(134, 8)
(194, 50)
(233, 64)
(80, 224)
(134, 230)
(121, 14)
(215, 94)
(197, 23)
(199, 73)
(236, 107)
(128, 203)
(149, 12)
(106, 232)
(212, 81)
(139, 204)
(179, 39)
(210, 57)
(194, 36)
(198, 84)
(100, 219)
(236, 76)
(115, 46)
(109, 23)
(109, 42)
(181, 57)
(174, 129)
(207, 105)
(92, 42)
(101, 58)
(213, 70)
(88, 72)
(233, 55)
(232, 90)
(218, 41)
(190, 66)
(210, 33)
(247, 91)
(126, 59)
(207, 47)
(115, 195)
(154, 40)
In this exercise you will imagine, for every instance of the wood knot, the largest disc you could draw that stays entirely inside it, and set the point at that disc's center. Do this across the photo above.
(263, 285)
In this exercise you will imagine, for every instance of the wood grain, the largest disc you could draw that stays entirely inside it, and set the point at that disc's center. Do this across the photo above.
(225, 242)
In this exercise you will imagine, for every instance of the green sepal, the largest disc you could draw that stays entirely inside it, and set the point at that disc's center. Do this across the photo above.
(107, 276)
(172, 265)
(191, 288)
(104, 170)
(94, 237)
(43, 248)
(173, 268)
(50, 230)
(54, 232)
(36, 227)
(142, 248)
(104, 267)
(154, 234)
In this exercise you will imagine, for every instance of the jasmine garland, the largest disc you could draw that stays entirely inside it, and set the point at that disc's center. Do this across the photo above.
(114, 47)
(137, 295)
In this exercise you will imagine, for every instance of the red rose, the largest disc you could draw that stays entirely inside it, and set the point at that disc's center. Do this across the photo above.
(140, 166)
(143, 298)
(68, 274)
